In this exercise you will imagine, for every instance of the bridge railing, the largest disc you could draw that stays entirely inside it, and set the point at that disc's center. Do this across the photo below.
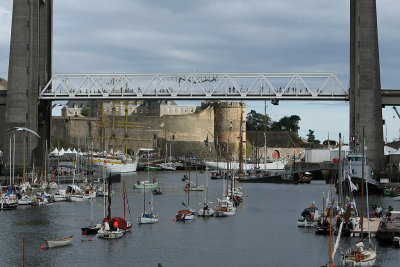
(193, 86)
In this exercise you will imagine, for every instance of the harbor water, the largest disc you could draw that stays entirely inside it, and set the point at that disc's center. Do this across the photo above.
(263, 232)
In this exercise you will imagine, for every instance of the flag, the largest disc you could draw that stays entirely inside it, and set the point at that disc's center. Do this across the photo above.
(352, 186)
(328, 200)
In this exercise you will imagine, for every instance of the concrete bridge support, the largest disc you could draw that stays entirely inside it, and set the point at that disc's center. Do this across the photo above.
(29, 69)
(365, 84)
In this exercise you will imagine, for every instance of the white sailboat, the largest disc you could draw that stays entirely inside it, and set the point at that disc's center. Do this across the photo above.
(193, 186)
(146, 184)
(225, 205)
(147, 216)
(206, 210)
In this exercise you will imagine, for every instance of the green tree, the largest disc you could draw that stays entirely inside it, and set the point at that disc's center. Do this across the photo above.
(290, 124)
(310, 136)
(85, 111)
(257, 122)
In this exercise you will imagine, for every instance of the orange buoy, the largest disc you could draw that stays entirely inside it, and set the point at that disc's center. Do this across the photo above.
(173, 220)
(42, 247)
(90, 239)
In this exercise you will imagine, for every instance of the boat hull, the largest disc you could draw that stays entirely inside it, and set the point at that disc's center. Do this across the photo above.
(8, 206)
(305, 223)
(59, 198)
(145, 186)
(90, 230)
(73, 198)
(205, 212)
(60, 242)
(145, 220)
(185, 215)
(110, 234)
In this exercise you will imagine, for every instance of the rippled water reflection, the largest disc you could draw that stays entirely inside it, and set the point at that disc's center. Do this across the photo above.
(263, 233)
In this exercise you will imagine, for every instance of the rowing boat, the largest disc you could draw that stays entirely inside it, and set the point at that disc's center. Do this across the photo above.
(60, 242)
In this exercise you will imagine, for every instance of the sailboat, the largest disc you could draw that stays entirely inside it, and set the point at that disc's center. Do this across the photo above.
(205, 210)
(193, 186)
(147, 216)
(186, 214)
(362, 254)
(146, 184)
(93, 228)
(225, 205)
(347, 216)
(110, 228)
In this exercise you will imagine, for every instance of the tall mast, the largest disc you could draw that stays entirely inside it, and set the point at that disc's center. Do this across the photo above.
(241, 139)
(265, 134)
(123, 193)
(113, 126)
(126, 128)
(362, 186)
(189, 185)
(330, 229)
(227, 168)
(166, 148)
(340, 172)
(109, 196)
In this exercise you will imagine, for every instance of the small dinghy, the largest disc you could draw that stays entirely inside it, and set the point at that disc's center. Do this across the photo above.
(60, 242)
(157, 192)
(91, 230)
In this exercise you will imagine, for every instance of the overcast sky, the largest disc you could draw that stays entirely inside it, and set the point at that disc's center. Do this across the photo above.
(142, 36)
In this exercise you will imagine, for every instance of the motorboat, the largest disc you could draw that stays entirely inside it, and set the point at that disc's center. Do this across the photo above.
(145, 185)
(8, 203)
(169, 166)
(309, 217)
(24, 200)
(91, 230)
(39, 200)
(157, 191)
(194, 187)
(148, 217)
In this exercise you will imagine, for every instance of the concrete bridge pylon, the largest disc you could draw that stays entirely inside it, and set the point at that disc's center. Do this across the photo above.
(30, 66)
(365, 84)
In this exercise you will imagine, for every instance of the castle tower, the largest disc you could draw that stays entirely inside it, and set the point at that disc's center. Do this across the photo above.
(365, 84)
(227, 126)
(29, 70)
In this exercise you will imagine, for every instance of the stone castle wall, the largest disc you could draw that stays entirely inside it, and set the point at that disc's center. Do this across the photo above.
(184, 133)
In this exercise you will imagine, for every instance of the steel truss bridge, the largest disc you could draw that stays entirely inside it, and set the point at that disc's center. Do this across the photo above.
(196, 86)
